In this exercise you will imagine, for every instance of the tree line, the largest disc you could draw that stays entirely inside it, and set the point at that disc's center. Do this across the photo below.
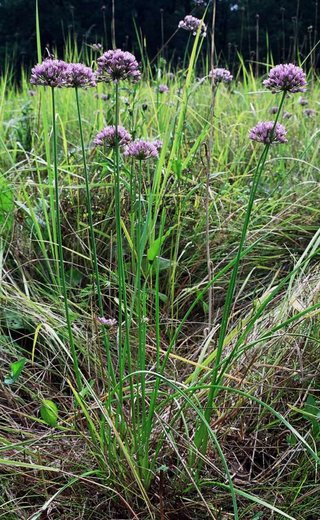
(253, 28)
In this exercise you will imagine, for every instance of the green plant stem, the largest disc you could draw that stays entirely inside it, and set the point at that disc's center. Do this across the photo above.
(140, 301)
(63, 287)
(93, 247)
(201, 437)
(123, 343)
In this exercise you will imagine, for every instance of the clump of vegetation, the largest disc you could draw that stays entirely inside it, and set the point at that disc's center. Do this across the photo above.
(159, 292)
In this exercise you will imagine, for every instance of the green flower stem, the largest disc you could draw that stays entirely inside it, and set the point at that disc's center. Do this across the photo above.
(63, 287)
(201, 437)
(93, 247)
(141, 300)
(123, 343)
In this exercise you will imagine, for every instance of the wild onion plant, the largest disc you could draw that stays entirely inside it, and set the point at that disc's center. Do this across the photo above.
(286, 79)
(159, 412)
(52, 73)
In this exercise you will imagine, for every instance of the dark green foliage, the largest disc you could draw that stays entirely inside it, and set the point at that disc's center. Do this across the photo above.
(88, 21)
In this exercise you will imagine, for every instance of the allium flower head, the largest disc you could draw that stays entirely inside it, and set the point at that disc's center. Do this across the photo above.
(287, 115)
(220, 75)
(273, 110)
(192, 24)
(265, 132)
(96, 47)
(163, 89)
(108, 137)
(79, 76)
(118, 65)
(158, 144)
(49, 73)
(309, 112)
(141, 150)
(109, 322)
(287, 78)
(302, 101)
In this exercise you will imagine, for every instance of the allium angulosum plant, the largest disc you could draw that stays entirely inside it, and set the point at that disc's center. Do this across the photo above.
(287, 78)
(133, 388)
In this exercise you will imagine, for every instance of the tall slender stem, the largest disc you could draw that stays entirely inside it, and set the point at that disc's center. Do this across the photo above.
(63, 287)
(124, 347)
(93, 247)
(201, 438)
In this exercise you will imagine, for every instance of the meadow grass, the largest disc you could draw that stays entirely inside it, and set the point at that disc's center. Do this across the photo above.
(174, 419)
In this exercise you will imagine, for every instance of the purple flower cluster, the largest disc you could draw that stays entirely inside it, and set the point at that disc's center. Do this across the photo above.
(116, 65)
(158, 144)
(49, 73)
(110, 136)
(79, 76)
(58, 73)
(286, 78)
(142, 150)
(109, 322)
(220, 75)
(192, 24)
(267, 133)
(163, 89)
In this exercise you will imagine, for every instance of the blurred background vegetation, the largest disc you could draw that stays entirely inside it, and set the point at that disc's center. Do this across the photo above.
(248, 27)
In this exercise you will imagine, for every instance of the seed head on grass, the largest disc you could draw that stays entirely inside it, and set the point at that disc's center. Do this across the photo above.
(141, 150)
(108, 137)
(220, 75)
(286, 78)
(117, 65)
(79, 76)
(265, 132)
(49, 73)
(191, 23)
(163, 89)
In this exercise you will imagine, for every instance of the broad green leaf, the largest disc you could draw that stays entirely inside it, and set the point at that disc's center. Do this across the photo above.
(6, 206)
(15, 371)
(155, 247)
(49, 412)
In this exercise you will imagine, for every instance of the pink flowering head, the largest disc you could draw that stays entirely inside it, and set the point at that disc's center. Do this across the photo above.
(79, 76)
(118, 65)
(163, 89)
(286, 78)
(158, 144)
(49, 73)
(109, 137)
(265, 132)
(141, 150)
(220, 75)
(108, 322)
(192, 24)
